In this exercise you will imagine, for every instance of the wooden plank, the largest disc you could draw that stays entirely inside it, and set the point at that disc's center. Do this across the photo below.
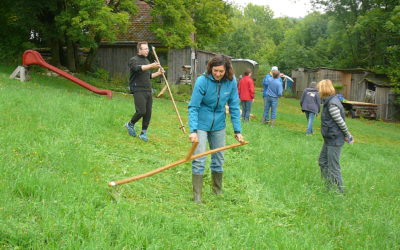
(346, 83)
(362, 103)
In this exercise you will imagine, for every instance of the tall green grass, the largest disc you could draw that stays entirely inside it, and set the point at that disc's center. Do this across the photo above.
(61, 145)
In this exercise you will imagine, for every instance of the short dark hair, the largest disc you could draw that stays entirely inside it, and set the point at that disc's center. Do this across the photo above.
(313, 84)
(139, 45)
(247, 72)
(220, 60)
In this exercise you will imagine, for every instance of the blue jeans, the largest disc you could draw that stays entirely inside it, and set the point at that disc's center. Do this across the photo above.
(246, 109)
(270, 103)
(310, 118)
(216, 139)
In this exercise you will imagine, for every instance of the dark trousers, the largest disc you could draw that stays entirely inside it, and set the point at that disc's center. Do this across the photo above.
(143, 106)
(330, 166)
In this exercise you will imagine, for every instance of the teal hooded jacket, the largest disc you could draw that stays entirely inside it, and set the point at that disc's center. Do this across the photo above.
(207, 104)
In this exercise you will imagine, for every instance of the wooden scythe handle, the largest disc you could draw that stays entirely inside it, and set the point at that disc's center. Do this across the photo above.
(194, 146)
(173, 164)
(162, 91)
(170, 93)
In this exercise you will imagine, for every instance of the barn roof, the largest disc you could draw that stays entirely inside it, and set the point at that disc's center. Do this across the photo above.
(379, 80)
(139, 30)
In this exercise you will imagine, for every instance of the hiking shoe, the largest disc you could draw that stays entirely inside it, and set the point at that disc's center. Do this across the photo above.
(143, 136)
(131, 129)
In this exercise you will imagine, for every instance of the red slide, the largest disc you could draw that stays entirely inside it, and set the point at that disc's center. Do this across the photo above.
(34, 57)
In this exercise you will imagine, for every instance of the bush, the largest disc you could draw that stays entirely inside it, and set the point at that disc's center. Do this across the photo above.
(289, 93)
(181, 92)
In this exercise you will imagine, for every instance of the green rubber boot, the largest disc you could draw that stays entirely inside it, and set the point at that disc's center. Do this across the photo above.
(217, 182)
(272, 123)
(197, 180)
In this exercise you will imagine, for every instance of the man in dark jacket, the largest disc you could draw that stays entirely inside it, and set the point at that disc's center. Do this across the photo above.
(310, 104)
(140, 86)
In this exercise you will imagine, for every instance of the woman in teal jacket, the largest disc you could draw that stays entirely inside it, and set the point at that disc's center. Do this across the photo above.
(207, 119)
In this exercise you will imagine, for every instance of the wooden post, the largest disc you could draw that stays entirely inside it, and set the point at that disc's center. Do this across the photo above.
(182, 127)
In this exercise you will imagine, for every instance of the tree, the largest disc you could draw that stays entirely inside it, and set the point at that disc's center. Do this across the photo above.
(251, 29)
(70, 23)
(25, 23)
(367, 34)
(392, 25)
(85, 23)
(183, 23)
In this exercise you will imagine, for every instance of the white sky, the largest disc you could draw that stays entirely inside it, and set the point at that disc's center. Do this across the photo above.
(281, 8)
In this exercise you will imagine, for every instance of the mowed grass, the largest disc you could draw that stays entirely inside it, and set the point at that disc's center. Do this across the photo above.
(61, 145)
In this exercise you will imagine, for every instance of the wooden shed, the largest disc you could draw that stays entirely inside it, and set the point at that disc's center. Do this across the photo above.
(192, 59)
(354, 84)
(240, 65)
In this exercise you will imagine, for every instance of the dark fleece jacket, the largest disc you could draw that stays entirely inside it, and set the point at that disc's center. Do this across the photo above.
(310, 101)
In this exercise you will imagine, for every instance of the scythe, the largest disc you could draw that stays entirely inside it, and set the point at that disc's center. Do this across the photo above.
(189, 157)
(170, 93)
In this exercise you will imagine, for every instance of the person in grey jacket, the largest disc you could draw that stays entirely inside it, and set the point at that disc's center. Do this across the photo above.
(310, 103)
(335, 133)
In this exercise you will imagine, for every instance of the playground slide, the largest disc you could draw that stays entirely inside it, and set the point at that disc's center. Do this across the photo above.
(34, 57)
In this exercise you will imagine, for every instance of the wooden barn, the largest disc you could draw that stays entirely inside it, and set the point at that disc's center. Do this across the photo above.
(182, 65)
(355, 85)
(114, 57)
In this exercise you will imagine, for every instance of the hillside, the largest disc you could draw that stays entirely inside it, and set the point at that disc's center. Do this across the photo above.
(61, 145)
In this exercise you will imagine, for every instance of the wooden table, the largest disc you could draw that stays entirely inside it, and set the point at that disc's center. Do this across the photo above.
(361, 109)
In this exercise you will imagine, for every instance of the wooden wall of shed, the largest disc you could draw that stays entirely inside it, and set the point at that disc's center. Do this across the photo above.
(202, 60)
(304, 79)
(358, 87)
(301, 81)
(114, 59)
(381, 98)
(312, 77)
(176, 59)
(338, 78)
(346, 83)
(179, 57)
(333, 75)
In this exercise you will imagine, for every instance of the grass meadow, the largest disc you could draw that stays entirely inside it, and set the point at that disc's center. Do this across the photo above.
(60, 145)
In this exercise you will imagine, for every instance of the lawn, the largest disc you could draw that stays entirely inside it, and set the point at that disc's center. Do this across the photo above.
(61, 145)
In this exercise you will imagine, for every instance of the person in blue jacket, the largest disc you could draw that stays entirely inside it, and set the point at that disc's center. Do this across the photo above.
(272, 90)
(207, 119)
